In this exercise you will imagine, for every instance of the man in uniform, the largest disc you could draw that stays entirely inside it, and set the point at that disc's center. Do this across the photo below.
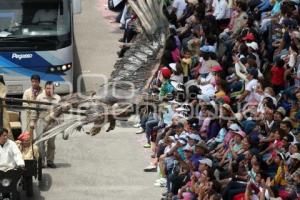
(41, 120)
(30, 95)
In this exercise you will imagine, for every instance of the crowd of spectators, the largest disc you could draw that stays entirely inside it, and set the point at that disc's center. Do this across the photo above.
(227, 126)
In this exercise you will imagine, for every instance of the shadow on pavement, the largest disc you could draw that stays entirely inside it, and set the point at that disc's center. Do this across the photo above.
(63, 165)
(36, 193)
(116, 30)
(46, 183)
(123, 124)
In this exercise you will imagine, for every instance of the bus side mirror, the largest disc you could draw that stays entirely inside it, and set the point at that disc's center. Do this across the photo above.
(76, 6)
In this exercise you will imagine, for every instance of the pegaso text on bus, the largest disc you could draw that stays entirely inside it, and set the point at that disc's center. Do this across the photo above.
(21, 56)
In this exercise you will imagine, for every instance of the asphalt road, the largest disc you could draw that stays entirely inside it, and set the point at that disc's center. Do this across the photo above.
(110, 165)
(96, 43)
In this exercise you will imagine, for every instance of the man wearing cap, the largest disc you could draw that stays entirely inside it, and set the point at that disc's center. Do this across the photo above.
(286, 126)
(193, 139)
(249, 93)
(296, 157)
(226, 111)
(178, 179)
(220, 150)
(234, 147)
(171, 134)
(253, 48)
(199, 153)
(278, 116)
(205, 164)
(201, 148)
(292, 177)
(273, 125)
(166, 87)
(195, 40)
(175, 151)
(203, 99)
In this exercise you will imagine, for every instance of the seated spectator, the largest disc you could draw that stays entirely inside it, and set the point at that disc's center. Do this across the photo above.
(11, 156)
(250, 87)
(177, 72)
(239, 101)
(28, 150)
(277, 79)
(178, 8)
(166, 87)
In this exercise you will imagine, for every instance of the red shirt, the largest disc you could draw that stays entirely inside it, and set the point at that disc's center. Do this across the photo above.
(277, 76)
(176, 55)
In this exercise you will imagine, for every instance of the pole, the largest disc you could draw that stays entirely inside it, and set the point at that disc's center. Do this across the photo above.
(15, 100)
(18, 108)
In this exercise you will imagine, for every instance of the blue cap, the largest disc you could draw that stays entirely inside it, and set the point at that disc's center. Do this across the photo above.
(253, 71)
(248, 126)
(289, 23)
(208, 49)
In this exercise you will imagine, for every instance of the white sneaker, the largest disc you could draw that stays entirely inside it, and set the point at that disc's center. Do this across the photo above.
(157, 184)
(161, 180)
(160, 184)
(137, 125)
(157, 181)
(163, 184)
(150, 168)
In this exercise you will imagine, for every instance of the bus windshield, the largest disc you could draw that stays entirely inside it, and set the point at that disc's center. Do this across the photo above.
(34, 19)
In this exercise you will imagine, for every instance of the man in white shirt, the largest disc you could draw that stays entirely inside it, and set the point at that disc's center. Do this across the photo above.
(221, 10)
(10, 155)
(250, 87)
(178, 7)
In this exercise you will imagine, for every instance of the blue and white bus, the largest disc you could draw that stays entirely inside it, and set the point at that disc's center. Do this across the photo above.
(36, 37)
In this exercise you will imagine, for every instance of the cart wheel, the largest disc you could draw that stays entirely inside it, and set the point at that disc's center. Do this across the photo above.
(39, 169)
(28, 186)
